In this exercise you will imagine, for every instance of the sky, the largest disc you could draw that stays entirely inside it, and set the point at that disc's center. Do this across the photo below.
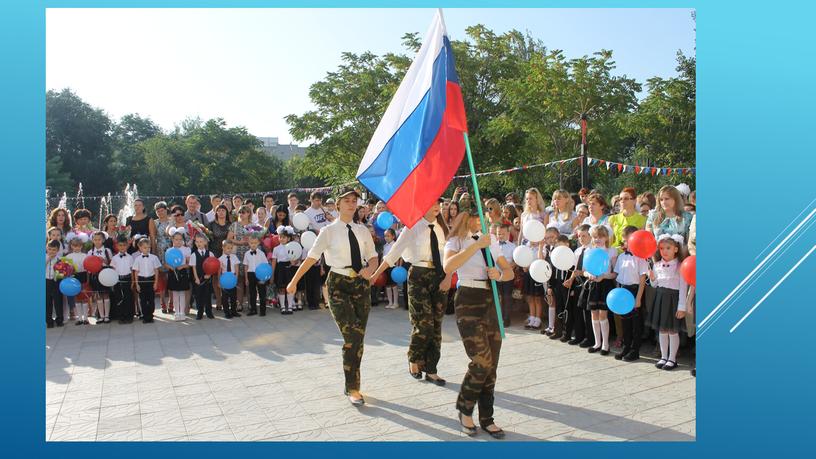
(252, 67)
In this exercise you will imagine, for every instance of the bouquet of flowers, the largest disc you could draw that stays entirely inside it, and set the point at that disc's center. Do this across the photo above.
(120, 230)
(65, 267)
(84, 234)
(194, 227)
(255, 229)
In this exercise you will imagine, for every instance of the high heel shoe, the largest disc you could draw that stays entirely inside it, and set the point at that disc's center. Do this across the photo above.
(417, 375)
(469, 431)
(497, 434)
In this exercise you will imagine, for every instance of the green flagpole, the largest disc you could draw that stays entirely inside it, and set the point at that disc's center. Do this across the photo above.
(490, 264)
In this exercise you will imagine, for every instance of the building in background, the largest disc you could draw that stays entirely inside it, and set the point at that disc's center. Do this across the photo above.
(282, 151)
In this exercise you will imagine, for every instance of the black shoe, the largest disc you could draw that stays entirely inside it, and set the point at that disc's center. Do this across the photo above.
(210, 316)
(252, 312)
(565, 338)
(417, 375)
(497, 434)
(49, 325)
(438, 381)
(555, 336)
(586, 343)
(469, 431)
(604, 351)
(575, 341)
(671, 367)
(313, 308)
(78, 322)
(660, 363)
(506, 323)
(228, 316)
(632, 356)
(263, 313)
(593, 350)
(622, 353)
(236, 314)
(694, 372)
(199, 317)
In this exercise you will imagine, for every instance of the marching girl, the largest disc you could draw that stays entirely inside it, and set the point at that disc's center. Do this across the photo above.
(178, 279)
(77, 303)
(668, 309)
(534, 292)
(100, 299)
(598, 287)
(283, 269)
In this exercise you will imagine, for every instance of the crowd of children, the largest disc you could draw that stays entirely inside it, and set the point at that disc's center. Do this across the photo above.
(237, 234)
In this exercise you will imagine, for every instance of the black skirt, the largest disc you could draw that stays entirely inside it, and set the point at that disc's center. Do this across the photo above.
(96, 286)
(283, 274)
(81, 277)
(388, 281)
(597, 292)
(663, 311)
(531, 287)
(178, 280)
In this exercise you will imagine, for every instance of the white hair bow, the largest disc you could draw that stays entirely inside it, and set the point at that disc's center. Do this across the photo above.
(675, 237)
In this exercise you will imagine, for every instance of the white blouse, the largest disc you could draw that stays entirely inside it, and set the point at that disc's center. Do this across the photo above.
(667, 275)
(475, 267)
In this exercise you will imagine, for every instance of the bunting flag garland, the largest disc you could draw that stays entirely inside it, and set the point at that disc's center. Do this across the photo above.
(650, 170)
(520, 168)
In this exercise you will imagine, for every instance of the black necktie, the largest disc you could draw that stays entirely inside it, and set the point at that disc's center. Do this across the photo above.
(579, 265)
(484, 253)
(145, 256)
(121, 255)
(252, 252)
(354, 246)
(229, 264)
(437, 260)
(627, 253)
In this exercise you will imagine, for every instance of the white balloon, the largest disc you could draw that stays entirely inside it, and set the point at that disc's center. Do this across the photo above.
(307, 240)
(294, 249)
(83, 237)
(534, 231)
(108, 277)
(523, 256)
(563, 258)
(71, 235)
(300, 221)
(540, 271)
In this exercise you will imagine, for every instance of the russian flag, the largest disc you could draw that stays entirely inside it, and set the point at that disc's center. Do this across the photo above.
(419, 142)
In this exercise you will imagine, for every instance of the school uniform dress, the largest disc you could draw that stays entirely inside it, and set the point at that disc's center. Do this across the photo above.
(204, 290)
(122, 298)
(479, 328)
(578, 322)
(422, 246)
(347, 247)
(93, 279)
(53, 297)
(145, 266)
(506, 288)
(670, 292)
(230, 264)
(387, 273)
(597, 291)
(257, 289)
(178, 280)
(630, 268)
(560, 294)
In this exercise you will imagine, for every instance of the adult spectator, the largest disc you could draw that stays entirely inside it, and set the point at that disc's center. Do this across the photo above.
(194, 213)
(140, 225)
(215, 201)
(669, 217)
(628, 216)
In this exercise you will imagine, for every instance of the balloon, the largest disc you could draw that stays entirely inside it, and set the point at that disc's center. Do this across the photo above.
(295, 250)
(523, 256)
(596, 261)
(454, 281)
(399, 274)
(229, 280)
(211, 266)
(300, 221)
(267, 243)
(108, 277)
(563, 258)
(307, 239)
(70, 236)
(174, 257)
(70, 286)
(688, 269)
(642, 244)
(92, 264)
(381, 281)
(83, 237)
(534, 231)
(385, 220)
(620, 301)
(540, 271)
(263, 272)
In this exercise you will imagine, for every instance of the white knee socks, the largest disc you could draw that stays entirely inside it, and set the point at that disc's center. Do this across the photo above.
(551, 318)
(104, 309)
(596, 331)
(664, 346)
(82, 311)
(674, 345)
(605, 334)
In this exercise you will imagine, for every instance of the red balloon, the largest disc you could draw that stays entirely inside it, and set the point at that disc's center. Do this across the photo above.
(642, 244)
(688, 269)
(92, 264)
(275, 241)
(267, 242)
(211, 266)
(454, 280)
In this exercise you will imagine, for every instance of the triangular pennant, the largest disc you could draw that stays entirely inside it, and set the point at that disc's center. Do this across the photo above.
(637, 170)
(669, 171)
(654, 170)
(620, 167)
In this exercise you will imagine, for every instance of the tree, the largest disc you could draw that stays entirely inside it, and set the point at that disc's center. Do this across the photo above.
(56, 178)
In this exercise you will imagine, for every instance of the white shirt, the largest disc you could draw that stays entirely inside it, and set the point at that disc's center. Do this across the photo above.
(252, 261)
(630, 268)
(210, 215)
(335, 214)
(387, 249)
(475, 267)
(280, 253)
(146, 266)
(49, 266)
(78, 258)
(414, 244)
(564, 226)
(507, 248)
(194, 254)
(667, 275)
(104, 253)
(603, 222)
(317, 218)
(122, 263)
(333, 241)
(234, 262)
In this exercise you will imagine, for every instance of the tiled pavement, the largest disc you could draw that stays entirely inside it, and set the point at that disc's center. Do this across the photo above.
(279, 378)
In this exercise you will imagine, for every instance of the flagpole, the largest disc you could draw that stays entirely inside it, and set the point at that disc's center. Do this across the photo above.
(478, 200)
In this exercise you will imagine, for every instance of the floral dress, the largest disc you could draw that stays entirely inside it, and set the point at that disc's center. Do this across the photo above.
(240, 233)
(162, 238)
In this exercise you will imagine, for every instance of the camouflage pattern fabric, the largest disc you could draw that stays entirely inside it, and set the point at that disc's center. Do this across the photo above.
(426, 308)
(476, 320)
(350, 303)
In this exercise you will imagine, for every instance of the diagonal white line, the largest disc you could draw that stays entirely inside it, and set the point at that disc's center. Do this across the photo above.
(773, 288)
(784, 229)
(757, 268)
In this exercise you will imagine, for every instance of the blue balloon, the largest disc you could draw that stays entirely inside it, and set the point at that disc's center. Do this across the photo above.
(596, 261)
(70, 286)
(228, 280)
(399, 274)
(263, 272)
(620, 301)
(173, 257)
(385, 220)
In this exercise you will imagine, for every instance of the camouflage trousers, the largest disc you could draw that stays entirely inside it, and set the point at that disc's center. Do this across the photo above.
(350, 303)
(426, 308)
(479, 328)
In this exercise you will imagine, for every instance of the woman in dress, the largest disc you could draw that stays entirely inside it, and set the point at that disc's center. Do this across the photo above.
(140, 225)
(160, 244)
